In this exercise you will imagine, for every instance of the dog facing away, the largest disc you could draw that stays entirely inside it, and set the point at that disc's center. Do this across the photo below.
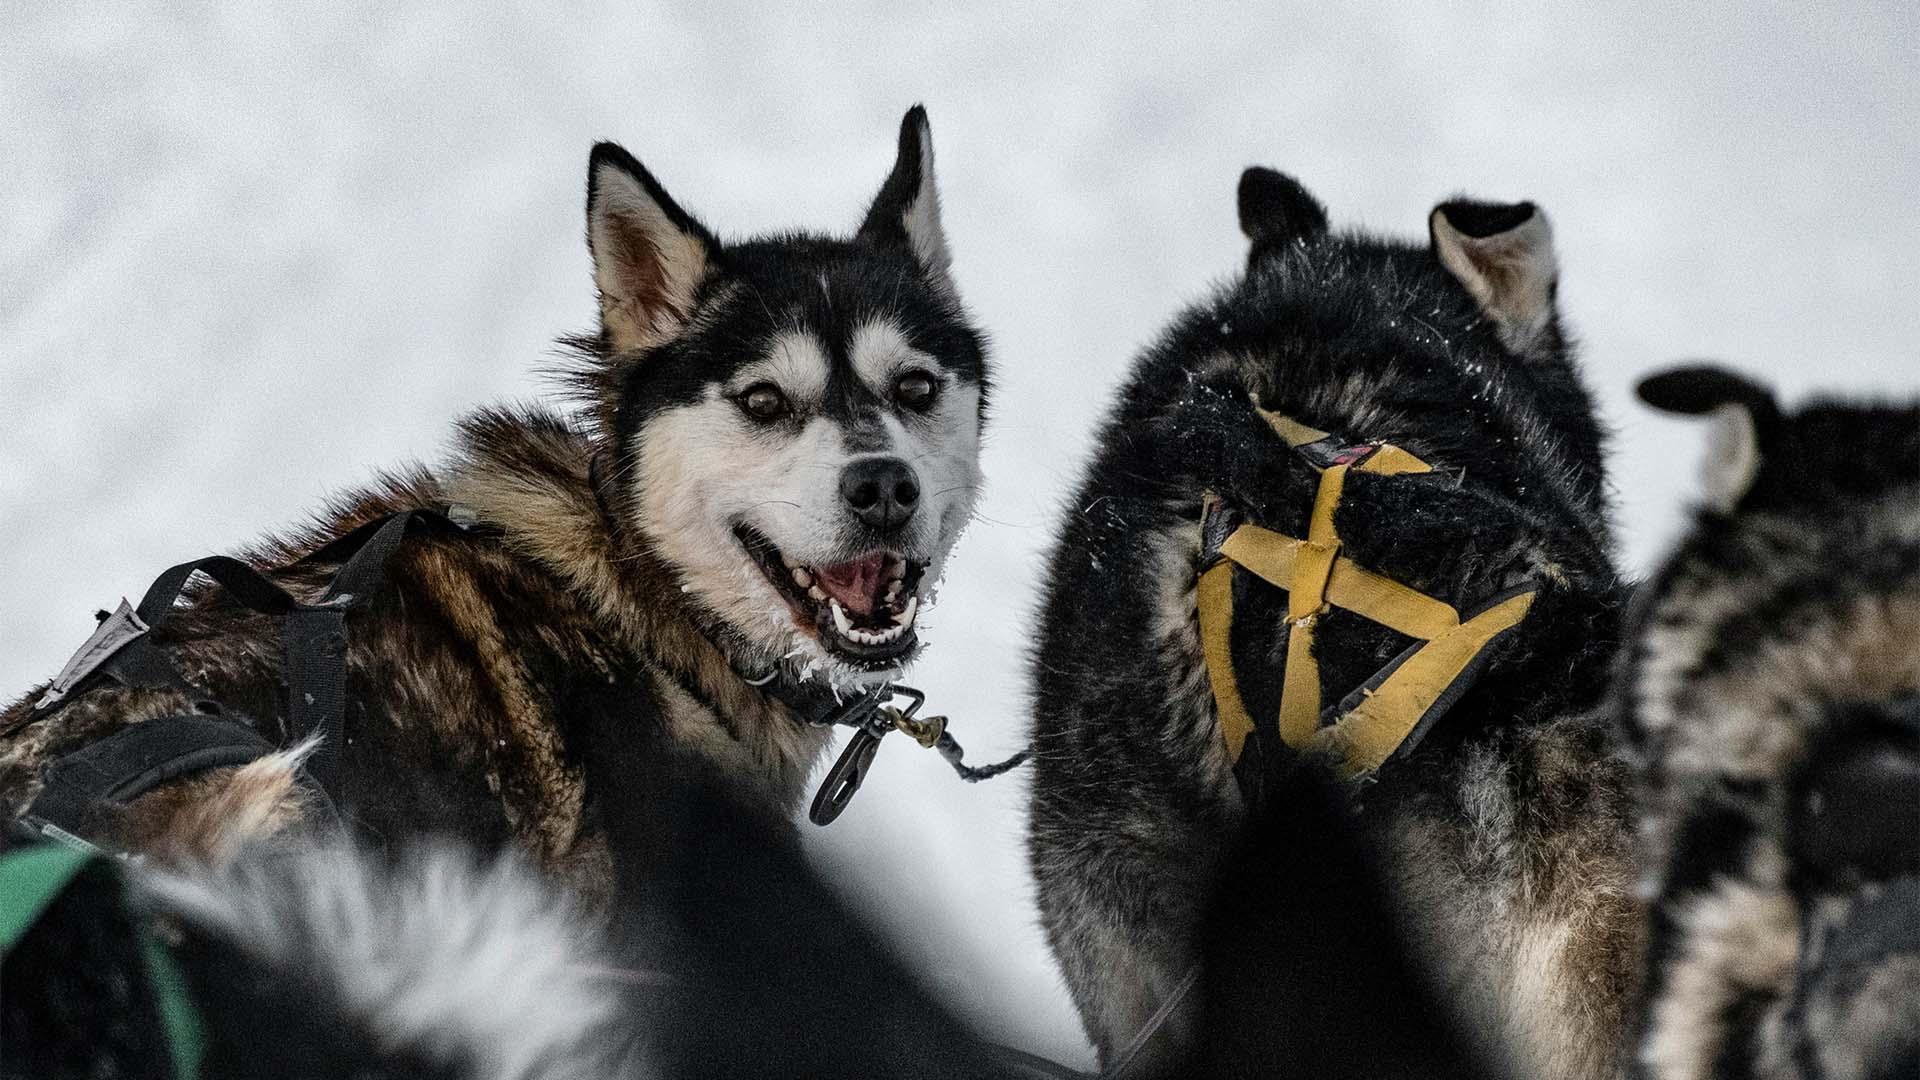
(1502, 834)
(777, 451)
(1772, 689)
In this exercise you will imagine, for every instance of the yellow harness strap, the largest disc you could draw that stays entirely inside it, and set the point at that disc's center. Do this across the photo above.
(1318, 578)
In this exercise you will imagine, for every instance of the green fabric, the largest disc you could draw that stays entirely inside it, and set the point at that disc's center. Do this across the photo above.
(31, 880)
(186, 1037)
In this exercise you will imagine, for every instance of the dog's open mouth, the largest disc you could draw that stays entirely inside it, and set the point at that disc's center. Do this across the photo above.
(862, 609)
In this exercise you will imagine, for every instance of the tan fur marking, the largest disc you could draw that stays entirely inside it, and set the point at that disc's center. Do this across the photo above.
(1531, 930)
(1746, 724)
(205, 819)
(1743, 937)
(541, 794)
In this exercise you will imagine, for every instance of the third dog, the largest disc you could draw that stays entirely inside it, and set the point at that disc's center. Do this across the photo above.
(1772, 688)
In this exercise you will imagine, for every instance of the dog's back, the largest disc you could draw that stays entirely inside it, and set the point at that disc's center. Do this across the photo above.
(1504, 829)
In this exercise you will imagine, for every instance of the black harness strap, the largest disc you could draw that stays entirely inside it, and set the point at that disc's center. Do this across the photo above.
(116, 770)
(316, 672)
(245, 584)
(142, 756)
(316, 641)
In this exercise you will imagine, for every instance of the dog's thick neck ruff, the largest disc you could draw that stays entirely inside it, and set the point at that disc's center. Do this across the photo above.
(560, 508)
(563, 511)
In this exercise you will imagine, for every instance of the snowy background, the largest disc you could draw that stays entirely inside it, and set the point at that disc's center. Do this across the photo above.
(246, 257)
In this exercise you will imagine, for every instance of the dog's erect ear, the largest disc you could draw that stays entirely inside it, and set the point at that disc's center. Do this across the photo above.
(649, 256)
(1746, 424)
(906, 213)
(1503, 254)
(1276, 210)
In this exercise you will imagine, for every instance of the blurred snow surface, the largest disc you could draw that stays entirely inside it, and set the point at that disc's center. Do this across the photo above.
(247, 256)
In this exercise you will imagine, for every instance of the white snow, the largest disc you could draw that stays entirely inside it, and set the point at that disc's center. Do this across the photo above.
(247, 257)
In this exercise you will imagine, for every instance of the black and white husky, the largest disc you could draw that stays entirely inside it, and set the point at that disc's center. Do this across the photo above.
(1503, 835)
(775, 449)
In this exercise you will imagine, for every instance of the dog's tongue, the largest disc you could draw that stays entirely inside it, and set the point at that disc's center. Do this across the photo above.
(855, 584)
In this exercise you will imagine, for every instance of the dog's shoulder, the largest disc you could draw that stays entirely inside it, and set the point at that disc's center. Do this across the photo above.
(478, 636)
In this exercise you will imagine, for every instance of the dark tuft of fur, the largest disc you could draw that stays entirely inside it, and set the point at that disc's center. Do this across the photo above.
(1323, 957)
(1275, 210)
(1691, 391)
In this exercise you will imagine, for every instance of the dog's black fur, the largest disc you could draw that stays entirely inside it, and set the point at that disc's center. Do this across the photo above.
(1454, 352)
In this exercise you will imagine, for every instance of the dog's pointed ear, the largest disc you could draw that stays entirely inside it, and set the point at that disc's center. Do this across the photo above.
(1746, 425)
(1275, 211)
(906, 213)
(649, 256)
(1503, 254)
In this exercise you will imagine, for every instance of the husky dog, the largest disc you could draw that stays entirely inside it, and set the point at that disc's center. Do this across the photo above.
(1504, 831)
(320, 962)
(1772, 687)
(778, 449)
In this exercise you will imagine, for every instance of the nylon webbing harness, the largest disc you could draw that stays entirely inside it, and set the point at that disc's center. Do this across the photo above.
(1390, 712)
(82, 786)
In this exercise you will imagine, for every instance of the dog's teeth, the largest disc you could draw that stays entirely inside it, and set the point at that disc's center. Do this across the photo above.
(790, 563)
(893, 589)
(898, 570)
(800, 576)
(840, 621)
(905, 618)
(817, 593)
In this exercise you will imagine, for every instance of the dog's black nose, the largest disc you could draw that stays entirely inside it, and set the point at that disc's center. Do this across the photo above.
(881, 491)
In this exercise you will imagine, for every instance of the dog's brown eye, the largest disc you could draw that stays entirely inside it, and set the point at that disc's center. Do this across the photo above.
(914, 390)
(764, 401)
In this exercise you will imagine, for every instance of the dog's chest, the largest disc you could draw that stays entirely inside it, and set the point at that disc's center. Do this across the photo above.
(758, 744)
(759, 748)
